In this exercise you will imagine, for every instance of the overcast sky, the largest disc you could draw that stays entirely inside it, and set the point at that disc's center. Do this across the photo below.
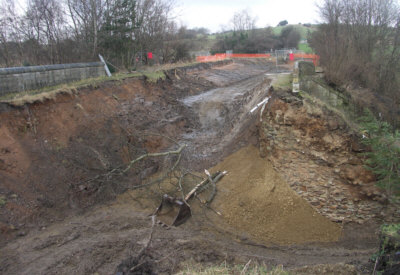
(217, 14)
(214, 14)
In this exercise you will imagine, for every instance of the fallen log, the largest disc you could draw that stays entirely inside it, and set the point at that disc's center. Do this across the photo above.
(212, 179)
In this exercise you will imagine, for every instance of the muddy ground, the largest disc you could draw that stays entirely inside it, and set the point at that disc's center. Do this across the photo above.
(68, 209)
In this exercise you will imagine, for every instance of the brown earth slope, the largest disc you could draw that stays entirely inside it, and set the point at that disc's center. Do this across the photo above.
(57, 159)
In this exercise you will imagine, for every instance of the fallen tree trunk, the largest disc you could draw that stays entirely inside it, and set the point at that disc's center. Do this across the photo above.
(211, 179)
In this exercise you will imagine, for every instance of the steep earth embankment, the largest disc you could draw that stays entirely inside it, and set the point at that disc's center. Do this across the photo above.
(57, 159)
(319, 155)
(52, 152)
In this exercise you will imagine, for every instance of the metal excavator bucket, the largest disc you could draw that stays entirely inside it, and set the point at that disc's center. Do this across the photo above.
(172, 211)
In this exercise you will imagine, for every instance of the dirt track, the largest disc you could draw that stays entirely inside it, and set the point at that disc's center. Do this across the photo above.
(82, 135)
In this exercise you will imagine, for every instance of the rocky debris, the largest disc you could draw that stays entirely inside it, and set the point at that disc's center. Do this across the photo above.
(314, 151)
(356, 174)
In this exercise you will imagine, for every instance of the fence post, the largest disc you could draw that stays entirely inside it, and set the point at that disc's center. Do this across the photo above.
(105, 65)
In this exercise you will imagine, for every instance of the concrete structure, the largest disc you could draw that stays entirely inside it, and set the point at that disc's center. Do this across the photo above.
(20, 79)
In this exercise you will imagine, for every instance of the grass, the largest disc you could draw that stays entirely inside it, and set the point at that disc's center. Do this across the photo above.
(3, 201)
(305, 48)
(391, 230)
(389, 238)
(283, 81)
(154, 76)
(248, 269)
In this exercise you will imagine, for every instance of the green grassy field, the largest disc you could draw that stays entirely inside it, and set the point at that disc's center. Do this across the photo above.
(305, 48)
(302, 30)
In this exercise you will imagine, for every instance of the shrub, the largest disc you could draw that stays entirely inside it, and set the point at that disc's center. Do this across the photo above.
(384, 158)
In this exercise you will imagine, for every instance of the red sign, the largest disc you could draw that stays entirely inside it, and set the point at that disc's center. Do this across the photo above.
(291, 56)
(150, 55)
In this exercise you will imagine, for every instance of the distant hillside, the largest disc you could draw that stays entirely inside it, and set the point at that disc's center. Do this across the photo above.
(205, 43)
(303, 30)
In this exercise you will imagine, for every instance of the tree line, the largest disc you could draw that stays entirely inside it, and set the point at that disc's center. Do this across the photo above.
(246, 38)
(66, 31)
(123, 31)
(359, 44)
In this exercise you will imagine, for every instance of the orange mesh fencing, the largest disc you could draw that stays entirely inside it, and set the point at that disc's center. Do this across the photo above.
(249, 55)
(313, 57)
(222, 56)
(210, 58)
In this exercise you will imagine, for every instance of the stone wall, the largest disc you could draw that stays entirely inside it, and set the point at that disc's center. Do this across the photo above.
(18, 79)
(315, 86)
(306, 68)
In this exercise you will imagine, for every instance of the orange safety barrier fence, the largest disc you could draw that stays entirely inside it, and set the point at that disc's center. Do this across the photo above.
(222, 56)
(209, 58)
(313, 57)
(249, 55)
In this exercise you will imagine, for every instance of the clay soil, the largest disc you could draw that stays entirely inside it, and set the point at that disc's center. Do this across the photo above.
(64, 212)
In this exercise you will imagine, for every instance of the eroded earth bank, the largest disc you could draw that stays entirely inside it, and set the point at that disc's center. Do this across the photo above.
(296, 192)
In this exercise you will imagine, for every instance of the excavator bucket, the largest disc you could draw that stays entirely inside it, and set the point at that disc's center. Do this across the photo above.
(172, 211)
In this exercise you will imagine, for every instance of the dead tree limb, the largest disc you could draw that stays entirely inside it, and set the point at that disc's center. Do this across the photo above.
(117, 170)
(142, 251)
(180, 186)
(208, 206)
(163, 177)
(176, 152)
(213, 185)
(197, 187)
(150, 133)
(212, 179)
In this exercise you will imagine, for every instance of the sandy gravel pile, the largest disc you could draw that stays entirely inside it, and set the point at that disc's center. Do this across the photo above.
(254, 200)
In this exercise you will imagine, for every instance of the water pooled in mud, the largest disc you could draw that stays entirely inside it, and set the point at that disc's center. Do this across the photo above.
(254, 200)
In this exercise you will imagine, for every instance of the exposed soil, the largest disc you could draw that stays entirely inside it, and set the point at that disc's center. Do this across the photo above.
(319, 156)
(65, 212)
(254, 199)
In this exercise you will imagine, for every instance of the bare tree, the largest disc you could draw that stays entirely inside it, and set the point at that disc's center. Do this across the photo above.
(87, 17)
(52, 31)
(6, 19)
(153, 24)
(10, 34)
(44, 27)
(359, 44)
(243, 21)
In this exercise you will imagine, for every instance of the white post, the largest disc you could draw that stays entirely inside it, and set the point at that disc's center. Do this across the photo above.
(105, 65)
